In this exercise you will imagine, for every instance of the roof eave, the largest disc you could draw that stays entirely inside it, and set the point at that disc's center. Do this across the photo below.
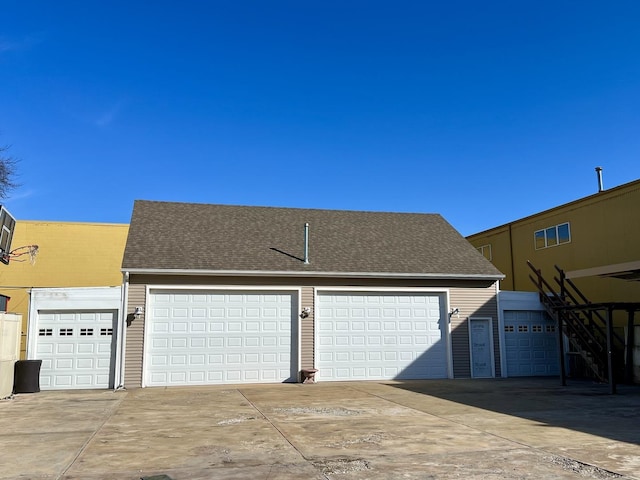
(271, 273)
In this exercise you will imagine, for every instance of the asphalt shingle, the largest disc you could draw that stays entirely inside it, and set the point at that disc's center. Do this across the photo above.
(204, 237)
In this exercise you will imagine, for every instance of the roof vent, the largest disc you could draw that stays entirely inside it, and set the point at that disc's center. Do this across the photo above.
(306, 243)
(599, 173)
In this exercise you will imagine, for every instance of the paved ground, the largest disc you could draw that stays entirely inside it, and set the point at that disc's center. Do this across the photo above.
(467, 429)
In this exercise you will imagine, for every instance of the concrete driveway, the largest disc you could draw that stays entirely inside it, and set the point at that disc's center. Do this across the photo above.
(489, 429)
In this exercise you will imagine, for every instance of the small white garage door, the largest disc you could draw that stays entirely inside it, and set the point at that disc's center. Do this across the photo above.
(531, 341)
(380, 336)
(207, 337)
(77, 349)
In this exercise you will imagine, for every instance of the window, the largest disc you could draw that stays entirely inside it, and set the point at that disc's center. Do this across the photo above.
(523, 328)
(86, 332)
(45, 332)
(509, 328)
(485, 250)
(66, 332)
(552, 236)
(563, 233)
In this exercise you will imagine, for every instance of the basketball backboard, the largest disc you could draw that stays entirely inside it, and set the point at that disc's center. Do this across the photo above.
(7, 226)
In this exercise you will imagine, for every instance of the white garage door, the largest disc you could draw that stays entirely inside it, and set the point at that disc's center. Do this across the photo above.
(380, 336)
(77, 349)
(531, 341)
(209, 337)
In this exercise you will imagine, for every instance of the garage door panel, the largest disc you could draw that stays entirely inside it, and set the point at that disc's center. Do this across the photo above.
(245, 336)
(64, 349)
(87, 348)
(76, 349)
(62, 364)
(393, 336)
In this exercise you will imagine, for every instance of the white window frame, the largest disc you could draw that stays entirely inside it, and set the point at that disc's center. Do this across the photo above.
(555, 228)
(483, 248)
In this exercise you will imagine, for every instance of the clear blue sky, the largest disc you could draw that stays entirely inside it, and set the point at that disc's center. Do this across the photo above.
(484, 112)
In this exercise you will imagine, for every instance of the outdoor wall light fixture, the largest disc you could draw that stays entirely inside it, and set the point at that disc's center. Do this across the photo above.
(306, 311)
(137, 312)
(454, 311)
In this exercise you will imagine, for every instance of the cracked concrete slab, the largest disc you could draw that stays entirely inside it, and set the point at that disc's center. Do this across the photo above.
(495, 429)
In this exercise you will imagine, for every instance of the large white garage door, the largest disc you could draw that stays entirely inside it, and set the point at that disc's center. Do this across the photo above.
(77, 349)
(209, 337)
(380, 336)
(531, 341)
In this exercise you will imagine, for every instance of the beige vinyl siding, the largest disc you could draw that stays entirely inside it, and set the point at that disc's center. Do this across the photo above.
(307, 330)
(473, 297)
(135, 338)
(472, 302)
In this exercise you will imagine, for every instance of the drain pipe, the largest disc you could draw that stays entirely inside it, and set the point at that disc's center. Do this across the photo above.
(306, 243)
(122, 332)
(599, 174)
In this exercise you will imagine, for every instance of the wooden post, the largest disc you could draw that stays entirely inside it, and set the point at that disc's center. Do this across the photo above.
(612, 381)
(563, 376)
(540, 289)
(628, 369)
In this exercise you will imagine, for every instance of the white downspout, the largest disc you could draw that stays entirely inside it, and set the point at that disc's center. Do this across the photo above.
(501, 340)
(122, 333)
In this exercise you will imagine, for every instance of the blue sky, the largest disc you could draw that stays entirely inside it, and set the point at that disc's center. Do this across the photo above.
(484, 112)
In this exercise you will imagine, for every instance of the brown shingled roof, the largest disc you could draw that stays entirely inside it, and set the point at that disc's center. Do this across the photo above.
(187, 237)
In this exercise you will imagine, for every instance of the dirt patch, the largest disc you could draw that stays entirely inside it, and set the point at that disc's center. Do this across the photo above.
(233, 421)
(324, 411)
(373, 439)
(341, 466)
(582, 469)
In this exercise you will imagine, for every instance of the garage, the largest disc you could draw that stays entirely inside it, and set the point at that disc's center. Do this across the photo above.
(210, 337)
(380, 336)
(74, 331)
(245, 294)
(531, 343)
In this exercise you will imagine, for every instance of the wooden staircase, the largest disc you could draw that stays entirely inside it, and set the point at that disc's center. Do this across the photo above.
(589, 332)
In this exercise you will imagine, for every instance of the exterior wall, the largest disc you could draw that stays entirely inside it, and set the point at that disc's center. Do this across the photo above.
(472, 302)
(134, 336)
(70, 255)
(603, 232)
(473, 298)
(307, 329)
(499, 241)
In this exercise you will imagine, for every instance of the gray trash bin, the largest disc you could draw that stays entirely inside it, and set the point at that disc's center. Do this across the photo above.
(26, 376)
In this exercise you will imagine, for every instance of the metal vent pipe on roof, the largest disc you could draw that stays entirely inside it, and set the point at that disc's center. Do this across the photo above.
(306, 243)
(599, 173)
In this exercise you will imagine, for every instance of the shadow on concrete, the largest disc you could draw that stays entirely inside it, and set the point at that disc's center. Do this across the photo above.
(582, 406)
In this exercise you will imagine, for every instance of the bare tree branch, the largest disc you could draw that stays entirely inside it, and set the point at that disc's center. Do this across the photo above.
(8, 172)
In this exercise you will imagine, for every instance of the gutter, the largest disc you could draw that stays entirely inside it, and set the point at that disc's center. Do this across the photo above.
(269, 273)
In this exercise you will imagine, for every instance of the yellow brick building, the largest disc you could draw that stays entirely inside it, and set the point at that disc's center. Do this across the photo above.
(70, 254)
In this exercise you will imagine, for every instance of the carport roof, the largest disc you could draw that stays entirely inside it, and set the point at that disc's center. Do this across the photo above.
(188, 238)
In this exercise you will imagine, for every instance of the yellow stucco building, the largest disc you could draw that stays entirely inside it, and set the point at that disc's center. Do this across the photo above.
(595, 240)
(70, 254)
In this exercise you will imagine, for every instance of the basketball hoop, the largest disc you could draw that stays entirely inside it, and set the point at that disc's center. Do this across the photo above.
(15, 254)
